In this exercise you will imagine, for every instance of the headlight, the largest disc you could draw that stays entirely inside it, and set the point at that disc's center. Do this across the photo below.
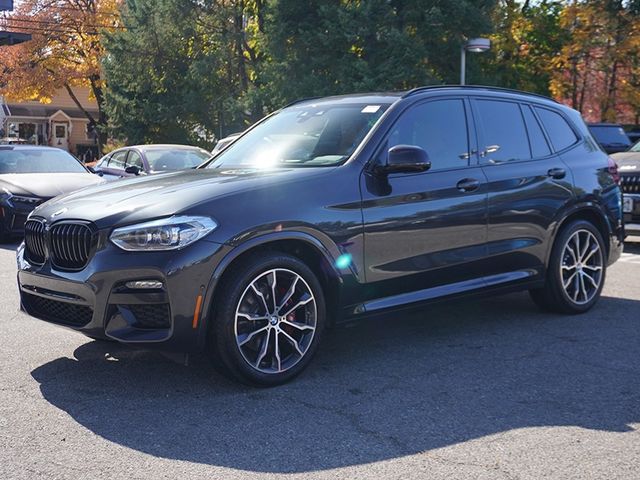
(172, 233)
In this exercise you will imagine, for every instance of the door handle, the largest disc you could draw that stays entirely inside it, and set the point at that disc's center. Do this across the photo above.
(468, 185)
(557, 173)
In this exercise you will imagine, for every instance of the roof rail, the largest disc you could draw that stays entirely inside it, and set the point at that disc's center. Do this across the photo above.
(300, 100)
(475, 87)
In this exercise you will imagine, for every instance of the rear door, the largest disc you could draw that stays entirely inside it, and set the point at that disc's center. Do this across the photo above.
(528, 184)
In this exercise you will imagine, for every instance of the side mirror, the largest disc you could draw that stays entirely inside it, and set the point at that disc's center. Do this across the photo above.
(406, 159)
(132, 170)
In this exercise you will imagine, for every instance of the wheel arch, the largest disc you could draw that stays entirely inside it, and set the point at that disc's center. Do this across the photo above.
(589, 212)
(301, 245)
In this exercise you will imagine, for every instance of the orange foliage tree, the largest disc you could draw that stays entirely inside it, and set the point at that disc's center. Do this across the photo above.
(65, 51)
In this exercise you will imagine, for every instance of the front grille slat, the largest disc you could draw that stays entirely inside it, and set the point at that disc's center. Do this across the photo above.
(34, 236)
(71, 244)
(630, 183)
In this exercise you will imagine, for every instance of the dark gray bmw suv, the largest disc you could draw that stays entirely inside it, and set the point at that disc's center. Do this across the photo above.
(332, 209)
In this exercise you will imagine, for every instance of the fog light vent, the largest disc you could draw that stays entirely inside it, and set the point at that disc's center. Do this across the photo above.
(144, 285)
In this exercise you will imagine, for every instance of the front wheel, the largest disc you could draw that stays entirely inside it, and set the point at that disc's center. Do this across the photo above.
(576, 270)
(270, 319)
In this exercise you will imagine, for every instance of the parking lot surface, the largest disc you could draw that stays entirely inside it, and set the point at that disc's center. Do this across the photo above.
(490, 388)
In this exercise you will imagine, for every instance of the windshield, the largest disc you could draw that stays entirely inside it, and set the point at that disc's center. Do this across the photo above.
(161, 160)
(38, 161)
(304, 136)
(635, 148)
(610, 135)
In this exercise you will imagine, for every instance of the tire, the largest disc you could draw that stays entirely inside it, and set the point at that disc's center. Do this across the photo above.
(261, 342)
(576, 270)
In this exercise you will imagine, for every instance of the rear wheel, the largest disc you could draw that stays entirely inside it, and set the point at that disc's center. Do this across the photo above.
(576, 270)
(269, 321)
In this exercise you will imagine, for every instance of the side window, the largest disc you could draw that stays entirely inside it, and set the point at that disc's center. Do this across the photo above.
(134, 159)
(539, 145)
(559, 131)
(440, 128)
(504, 134)
(103, 162)
(118, 159)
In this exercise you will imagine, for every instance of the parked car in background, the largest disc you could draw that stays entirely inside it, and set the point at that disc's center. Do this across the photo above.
(224, 143)
(329, 210)
(149, 159)
(611, 137)
(13, 141)
(629, 168)
(31, 175)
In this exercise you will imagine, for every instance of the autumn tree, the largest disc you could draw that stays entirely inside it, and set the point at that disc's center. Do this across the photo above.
(65, 51)
(598, 60)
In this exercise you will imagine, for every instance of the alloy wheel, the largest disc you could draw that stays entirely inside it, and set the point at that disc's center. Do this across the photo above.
(581, 267)
(275, 321)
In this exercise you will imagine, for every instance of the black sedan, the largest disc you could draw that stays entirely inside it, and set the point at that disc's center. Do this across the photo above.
(31, 175)
(149, 159)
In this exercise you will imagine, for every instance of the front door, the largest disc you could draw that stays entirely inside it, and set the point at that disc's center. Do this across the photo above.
(60, 135)
(427, 230)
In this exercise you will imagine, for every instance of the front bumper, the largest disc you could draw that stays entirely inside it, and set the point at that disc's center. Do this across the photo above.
(13, 216)
(96, 301)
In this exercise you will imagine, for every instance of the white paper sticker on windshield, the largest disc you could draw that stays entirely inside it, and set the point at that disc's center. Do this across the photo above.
(371, 109)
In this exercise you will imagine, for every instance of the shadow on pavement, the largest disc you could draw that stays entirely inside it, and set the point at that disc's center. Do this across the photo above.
(12, 245)
(378, 390)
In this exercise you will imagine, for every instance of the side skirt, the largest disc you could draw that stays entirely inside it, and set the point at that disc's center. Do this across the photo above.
(503, 282)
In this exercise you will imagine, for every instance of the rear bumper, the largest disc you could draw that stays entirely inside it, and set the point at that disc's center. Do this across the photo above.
(97, 302)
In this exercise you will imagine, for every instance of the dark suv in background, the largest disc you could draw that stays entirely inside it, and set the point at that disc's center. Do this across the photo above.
(333, 209)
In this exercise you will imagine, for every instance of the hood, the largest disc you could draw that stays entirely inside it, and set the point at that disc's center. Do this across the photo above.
(47, 185)
(628, 162)
(143, 198)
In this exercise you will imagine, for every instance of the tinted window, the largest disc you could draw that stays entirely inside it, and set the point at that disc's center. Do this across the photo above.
(440, 128)
(539, 145)
(38, 161)
(117, 159)
(134, 159)
(559, 131)
(610, 135)
(504, 131)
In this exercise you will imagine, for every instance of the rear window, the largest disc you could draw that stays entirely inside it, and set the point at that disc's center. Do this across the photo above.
(38, 161)
(559, 131)
(610, 135)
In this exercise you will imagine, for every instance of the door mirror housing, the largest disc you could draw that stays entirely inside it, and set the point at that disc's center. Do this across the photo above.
(406, 159)
(132, 169)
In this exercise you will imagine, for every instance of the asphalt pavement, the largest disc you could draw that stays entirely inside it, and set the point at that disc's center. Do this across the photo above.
(479, 389)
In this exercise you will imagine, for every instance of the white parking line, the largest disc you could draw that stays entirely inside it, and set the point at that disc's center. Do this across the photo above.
(630, 258)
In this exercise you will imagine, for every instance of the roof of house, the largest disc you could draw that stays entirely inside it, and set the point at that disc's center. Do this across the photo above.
(45, 111)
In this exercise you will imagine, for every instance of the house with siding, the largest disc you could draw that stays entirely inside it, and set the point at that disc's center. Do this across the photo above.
(59, 123)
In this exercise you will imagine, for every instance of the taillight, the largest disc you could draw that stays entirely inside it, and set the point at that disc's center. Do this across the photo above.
(613, 171)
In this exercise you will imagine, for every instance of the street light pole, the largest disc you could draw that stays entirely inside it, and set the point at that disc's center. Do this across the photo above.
(463, 64)
(475, 45)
